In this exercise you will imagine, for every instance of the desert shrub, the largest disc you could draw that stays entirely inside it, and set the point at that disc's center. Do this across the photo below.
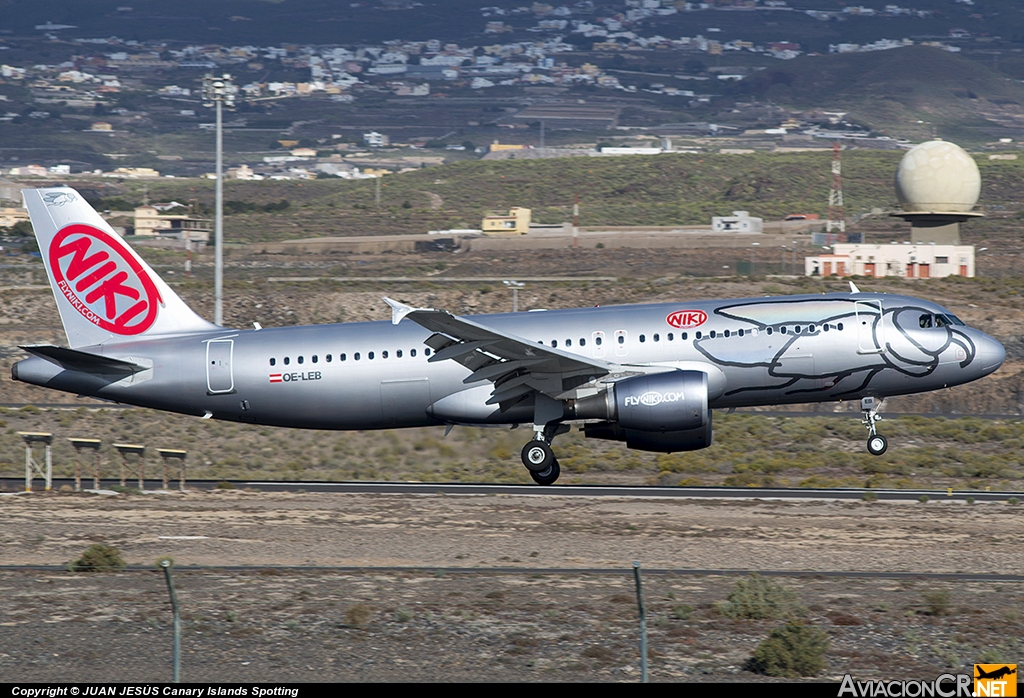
(936, 602)
(841, 618)
(99, 557)
(599, 652)
(357, 616)
(682, 611)
(793, 650)
(758, 597)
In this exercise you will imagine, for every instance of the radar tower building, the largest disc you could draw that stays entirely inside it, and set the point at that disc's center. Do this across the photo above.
(937, 184)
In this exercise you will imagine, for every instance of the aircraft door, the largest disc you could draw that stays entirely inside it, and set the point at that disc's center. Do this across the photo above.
(621, 342)
(870, 334)
(597, 340)
(219, 374)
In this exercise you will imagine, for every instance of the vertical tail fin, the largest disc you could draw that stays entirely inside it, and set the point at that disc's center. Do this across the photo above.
(105, 292)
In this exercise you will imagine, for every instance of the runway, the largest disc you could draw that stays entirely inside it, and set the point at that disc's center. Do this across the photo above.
(13, 485)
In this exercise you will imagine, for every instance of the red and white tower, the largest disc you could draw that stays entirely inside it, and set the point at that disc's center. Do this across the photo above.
(836, 216)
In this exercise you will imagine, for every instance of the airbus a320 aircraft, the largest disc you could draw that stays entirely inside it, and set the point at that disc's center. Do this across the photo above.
(648, 375)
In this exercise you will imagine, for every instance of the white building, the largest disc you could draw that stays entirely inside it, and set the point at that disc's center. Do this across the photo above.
(738, 222)
(908, 261)
(376, 140)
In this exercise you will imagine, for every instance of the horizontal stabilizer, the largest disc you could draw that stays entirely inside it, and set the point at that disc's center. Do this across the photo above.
(74, 360)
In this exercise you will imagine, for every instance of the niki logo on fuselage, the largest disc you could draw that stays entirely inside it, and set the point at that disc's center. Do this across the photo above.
(102, 280)
(687, 318)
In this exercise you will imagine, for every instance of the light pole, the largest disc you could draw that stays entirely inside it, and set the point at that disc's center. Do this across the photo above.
(219, 91)
(515, 286)
(753, 250)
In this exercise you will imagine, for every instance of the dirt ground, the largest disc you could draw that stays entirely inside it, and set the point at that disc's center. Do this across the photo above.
(477, 622)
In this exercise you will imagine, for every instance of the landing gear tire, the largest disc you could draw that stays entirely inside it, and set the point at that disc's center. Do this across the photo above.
(877, 445)
(547, 477)
(538, 458)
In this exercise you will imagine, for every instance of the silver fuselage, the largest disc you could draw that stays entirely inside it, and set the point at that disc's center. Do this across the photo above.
(756, 351)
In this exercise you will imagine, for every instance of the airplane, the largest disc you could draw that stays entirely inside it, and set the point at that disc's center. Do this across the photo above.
(647, 375)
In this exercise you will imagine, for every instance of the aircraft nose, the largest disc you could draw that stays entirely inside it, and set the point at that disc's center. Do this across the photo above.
(991, 354)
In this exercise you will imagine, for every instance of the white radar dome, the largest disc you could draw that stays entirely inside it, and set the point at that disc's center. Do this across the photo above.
(938, 176)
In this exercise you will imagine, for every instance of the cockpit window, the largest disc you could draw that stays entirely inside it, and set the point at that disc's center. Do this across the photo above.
(948, 319)
(925, 321)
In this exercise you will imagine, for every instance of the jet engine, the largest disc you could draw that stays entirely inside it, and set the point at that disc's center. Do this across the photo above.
(664, 412)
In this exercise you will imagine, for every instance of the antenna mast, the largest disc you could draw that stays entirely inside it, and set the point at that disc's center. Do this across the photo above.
(836, 215)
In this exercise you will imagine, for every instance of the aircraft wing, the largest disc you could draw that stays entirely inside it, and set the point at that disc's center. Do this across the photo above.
(515, 365)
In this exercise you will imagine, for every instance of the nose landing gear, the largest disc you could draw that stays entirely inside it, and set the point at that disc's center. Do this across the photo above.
(877, 444)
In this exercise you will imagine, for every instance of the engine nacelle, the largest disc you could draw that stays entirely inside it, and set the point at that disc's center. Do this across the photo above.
(674, 401)
(664, 412)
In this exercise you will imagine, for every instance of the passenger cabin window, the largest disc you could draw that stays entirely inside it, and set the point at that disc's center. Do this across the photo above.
(642, 339)
(341, 357)
(597, 341)
(315, 358)
(384, 355)
(398, 353)
(356, 356)
(412, 352)
(287, 361)
(273, 362)
(583, 341)
(328, 357)
(369, 355)
(657, 337)
(622, 340)
(301, 359)
(670, 336)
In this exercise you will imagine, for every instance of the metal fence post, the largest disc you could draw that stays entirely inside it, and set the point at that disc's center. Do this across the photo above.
(166, 564)
(643, 622)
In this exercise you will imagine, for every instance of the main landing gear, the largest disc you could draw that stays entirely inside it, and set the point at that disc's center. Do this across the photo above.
(538, 457)
(877, 444)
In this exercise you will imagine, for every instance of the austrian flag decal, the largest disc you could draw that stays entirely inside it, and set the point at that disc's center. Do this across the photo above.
(687, 318)
(102, 280)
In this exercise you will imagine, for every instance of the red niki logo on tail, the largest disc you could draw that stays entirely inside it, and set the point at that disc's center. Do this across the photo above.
(687, 318)
(102, 280)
